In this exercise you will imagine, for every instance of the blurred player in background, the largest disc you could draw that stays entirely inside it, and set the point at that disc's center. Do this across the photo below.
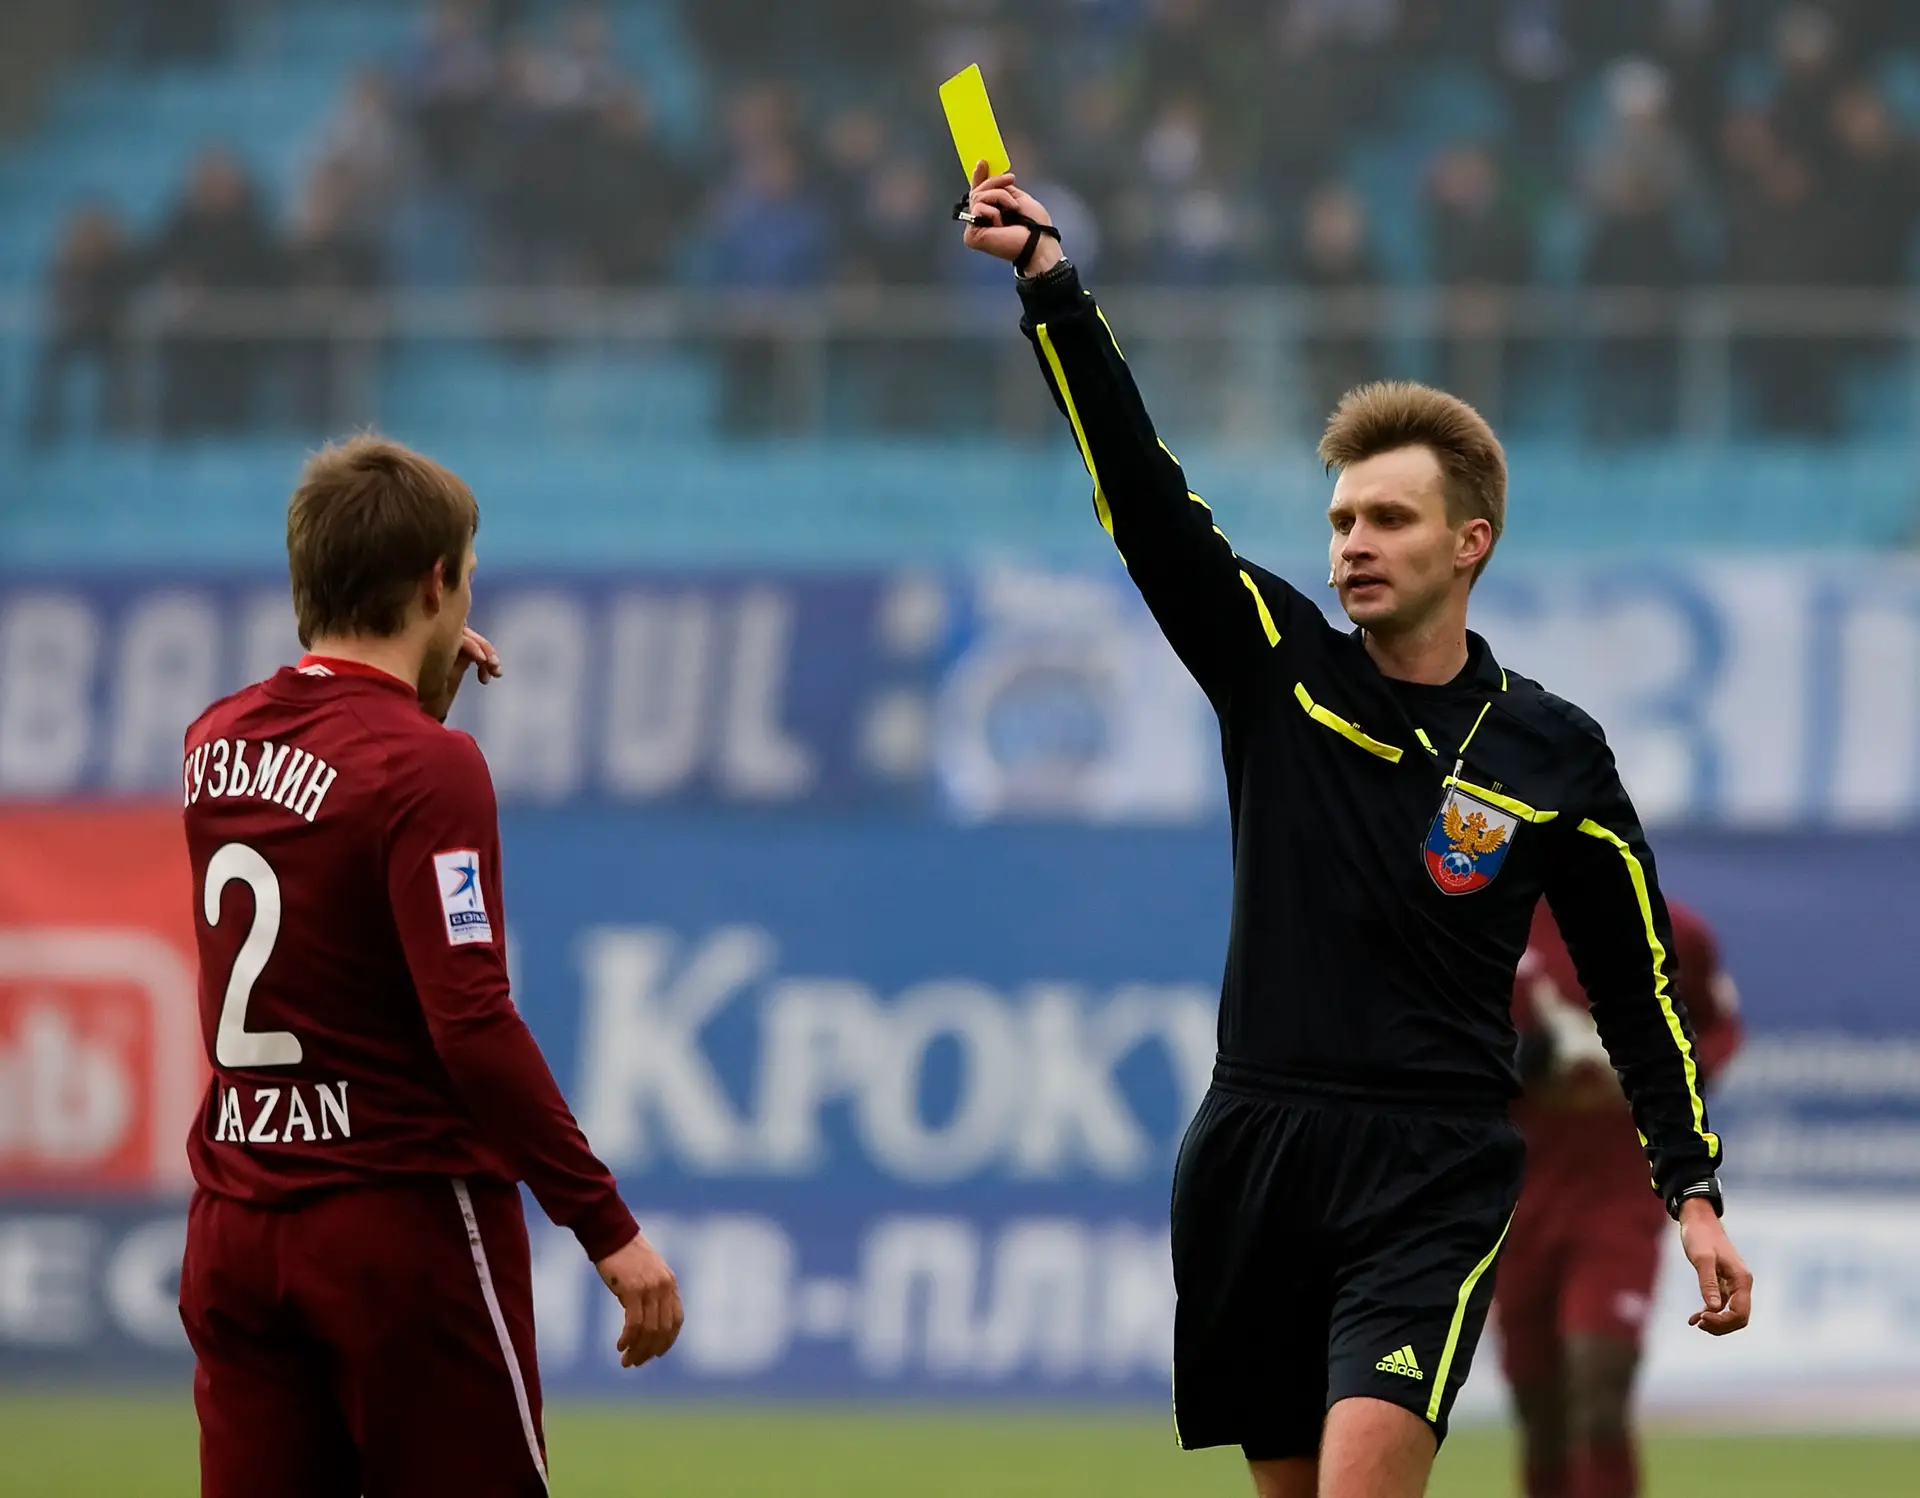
(357, 1284)
(1583, 1255)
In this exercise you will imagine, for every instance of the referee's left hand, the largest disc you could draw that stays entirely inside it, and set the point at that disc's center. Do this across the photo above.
(1726, 1284)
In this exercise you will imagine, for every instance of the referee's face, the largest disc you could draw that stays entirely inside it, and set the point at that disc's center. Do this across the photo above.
(1394, 556)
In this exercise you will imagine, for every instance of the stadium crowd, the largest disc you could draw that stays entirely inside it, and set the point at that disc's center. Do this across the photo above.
(1187, 143)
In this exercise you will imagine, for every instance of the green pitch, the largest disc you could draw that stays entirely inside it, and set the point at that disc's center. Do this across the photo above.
(83, 1447)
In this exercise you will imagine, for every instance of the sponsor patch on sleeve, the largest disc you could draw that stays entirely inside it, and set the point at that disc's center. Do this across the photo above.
(460, 898)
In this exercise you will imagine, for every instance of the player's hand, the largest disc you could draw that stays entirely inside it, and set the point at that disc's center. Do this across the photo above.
(647, 1291)
(475, 650)
(1005, 241)
(1726, 1284)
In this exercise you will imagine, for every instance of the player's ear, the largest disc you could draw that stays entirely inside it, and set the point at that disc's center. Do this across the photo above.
(1475, 541)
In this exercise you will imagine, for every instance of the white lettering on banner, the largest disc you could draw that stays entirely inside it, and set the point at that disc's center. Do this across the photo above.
(758, 759)
(640, 1043)
(737, 1294)
(1073, 1107)
(45, 1268)
(659, 660)
(532, 731)
(1037, 1085)
(1042, 1274)
(143, 1283)
(65, 1100)
(821, 1040)
(168, 671)
(925, 1265)
(1876, 759)
(1133, 1318)
(891, 1123)
(48, 643)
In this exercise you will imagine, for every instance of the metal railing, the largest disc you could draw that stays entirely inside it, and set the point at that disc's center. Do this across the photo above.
(1253, 365)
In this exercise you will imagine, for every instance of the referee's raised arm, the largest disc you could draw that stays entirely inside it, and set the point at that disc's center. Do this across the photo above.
(1218, 611)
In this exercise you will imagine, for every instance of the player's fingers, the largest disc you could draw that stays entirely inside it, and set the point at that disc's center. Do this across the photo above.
(1709, 1271)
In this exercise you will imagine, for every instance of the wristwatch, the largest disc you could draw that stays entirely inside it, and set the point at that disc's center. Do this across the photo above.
(1709, 1189)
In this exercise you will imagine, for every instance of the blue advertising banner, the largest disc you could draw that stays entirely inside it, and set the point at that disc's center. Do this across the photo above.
(901, 1100)
(1751, 695)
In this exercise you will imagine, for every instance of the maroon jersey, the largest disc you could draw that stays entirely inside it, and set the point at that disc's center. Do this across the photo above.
(353, 975)
(1592, 1149)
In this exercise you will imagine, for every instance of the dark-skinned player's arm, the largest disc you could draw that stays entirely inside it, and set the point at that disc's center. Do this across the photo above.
(1220, 613)
(1605, 895)
(440, 799)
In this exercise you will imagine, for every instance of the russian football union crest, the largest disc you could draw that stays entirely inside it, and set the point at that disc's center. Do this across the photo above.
(1467, 843)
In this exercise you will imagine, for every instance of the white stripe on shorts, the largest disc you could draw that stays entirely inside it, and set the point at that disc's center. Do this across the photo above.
(500, 1328)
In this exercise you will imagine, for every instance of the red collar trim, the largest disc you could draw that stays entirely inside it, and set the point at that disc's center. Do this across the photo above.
(333, 665)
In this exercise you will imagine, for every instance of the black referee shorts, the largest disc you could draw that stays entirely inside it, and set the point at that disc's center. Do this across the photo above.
(1324, 1250)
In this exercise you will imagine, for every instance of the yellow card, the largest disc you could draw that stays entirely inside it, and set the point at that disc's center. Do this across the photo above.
(970, 116)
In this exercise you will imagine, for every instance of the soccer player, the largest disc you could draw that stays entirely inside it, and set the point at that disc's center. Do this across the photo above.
(1578, 1274)
(1399, 802)
(357, 1285)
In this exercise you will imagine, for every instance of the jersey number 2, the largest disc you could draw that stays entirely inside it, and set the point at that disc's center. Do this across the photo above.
(234, 1045)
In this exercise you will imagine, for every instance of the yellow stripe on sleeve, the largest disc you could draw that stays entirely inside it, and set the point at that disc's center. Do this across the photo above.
(1266, 618)
(1079, 432)
(1660, 990)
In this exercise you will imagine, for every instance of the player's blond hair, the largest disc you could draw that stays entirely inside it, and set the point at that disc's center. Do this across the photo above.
(1390, 414)
(369, 520)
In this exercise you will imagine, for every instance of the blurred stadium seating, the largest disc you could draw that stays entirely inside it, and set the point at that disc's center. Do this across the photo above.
(1465, 191)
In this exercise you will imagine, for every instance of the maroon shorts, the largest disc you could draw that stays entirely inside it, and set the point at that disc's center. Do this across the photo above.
(1576, 1264)
(375, 1341)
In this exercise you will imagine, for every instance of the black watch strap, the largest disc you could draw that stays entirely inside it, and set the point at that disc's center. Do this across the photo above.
(1707, 1189)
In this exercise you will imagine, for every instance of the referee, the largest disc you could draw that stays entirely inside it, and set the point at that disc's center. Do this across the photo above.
(1400, 804)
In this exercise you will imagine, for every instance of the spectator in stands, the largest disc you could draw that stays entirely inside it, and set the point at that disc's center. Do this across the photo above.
(1635, 245)
(896, 230)
(531, 173)
(853, 146)
(636, 195)
(1806, 44)
(174, 31)
(1638, 139)
(91, 284)
(1481, 249)
(1535, 60)
(215, 242)
(1092, 149)
(1319, 76)
(448, 83)
(1874, 188)
(766, 234)
(1183, 223)
(1335, 257)
(1777, 239)
(329, 256)
(1690, 42)
(366, 153)
(1186, 49)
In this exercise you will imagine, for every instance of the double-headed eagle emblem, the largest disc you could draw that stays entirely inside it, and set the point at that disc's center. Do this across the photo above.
(1470, 834)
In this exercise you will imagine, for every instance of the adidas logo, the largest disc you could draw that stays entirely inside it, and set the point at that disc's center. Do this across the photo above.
(1402, 1362)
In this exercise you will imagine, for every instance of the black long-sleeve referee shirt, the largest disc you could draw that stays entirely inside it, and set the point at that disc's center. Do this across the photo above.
(1382, 900)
